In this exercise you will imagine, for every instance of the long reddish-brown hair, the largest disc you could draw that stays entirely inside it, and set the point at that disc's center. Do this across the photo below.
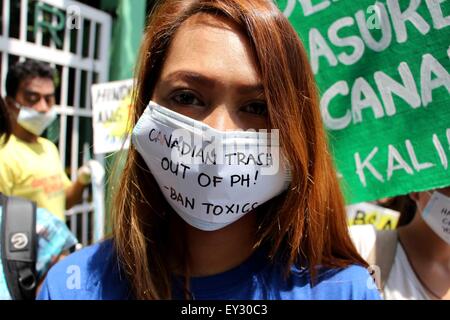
(308, 221)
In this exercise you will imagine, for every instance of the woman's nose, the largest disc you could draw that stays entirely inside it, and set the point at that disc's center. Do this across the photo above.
(221, 119)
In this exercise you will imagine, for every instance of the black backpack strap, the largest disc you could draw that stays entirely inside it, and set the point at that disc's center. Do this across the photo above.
(18, 245)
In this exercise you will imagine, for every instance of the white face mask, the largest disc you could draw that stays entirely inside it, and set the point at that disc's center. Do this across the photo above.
(211, 178)
(437, 215)
(34, 121)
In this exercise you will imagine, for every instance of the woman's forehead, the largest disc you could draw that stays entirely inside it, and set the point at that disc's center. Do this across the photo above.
(213, 46)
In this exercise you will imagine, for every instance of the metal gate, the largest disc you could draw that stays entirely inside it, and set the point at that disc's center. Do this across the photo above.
(74, 38)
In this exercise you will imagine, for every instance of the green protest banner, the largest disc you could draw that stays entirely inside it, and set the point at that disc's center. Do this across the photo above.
(382, 70)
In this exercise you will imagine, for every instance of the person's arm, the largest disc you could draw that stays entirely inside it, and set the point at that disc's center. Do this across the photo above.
(74, 194)
(74, 191)
(6, 175)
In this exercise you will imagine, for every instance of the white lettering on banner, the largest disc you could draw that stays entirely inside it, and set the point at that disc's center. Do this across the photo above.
(360, 166)
(440, 151)
(353, 41)
(439, 21)
(393, 157)
(319, 47)
(399, 19)
(396, 162)
(429, 67)
(309, 8)
(407, 91)
(362, 97)
(433, 76)
(412, 155)
(340, 87)
(383, 24)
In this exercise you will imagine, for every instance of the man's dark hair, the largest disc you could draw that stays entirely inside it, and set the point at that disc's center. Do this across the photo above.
(26, 70)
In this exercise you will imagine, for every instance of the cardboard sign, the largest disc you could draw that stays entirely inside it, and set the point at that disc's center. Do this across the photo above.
(368, 213)
(110, 107)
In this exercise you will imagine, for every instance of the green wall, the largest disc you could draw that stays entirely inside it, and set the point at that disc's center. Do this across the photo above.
(128, 26)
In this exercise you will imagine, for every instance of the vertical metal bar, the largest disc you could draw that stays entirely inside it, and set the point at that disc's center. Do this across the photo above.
(103, 73)
(75, 122)
(64, 102)
(4, 69)
(6, 14)
(76, 105)
(23, 23)
(73, 224)
(38, 32)
(87, 104)
(5, 28)
(67, 37)
(98, 199)
(105, 35)
(92, 39)
(52, 43)
(84, 227)
(63, 114)
(86, 156)
(85, 212)
(23, 20)
(91, 72)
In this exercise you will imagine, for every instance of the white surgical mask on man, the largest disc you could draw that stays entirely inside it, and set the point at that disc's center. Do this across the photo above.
(211, 178)
(437, 215)
(34, 121)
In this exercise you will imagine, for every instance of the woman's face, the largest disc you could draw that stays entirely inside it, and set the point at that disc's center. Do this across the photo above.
(210, 75)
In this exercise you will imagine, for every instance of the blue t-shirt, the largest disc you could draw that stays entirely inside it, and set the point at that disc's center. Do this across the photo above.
(94, 273)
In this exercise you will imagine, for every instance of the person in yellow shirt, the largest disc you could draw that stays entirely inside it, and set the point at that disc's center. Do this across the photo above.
(30, 166)
(5, 125)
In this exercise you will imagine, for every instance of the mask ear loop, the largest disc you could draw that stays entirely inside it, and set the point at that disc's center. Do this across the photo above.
(10, 100)
(17, 105)
(421, 210)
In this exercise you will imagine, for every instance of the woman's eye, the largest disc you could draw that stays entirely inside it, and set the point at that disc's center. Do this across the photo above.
(257, 108)
(186, 98)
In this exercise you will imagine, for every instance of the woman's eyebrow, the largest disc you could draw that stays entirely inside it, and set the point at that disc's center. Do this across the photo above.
(191, 77)
(205, 81)
(251, 89)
